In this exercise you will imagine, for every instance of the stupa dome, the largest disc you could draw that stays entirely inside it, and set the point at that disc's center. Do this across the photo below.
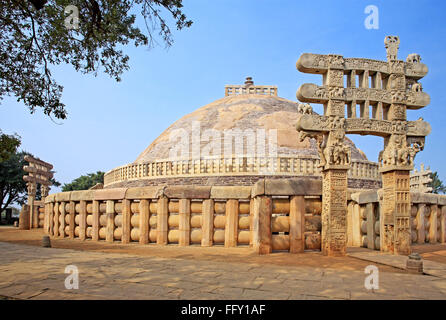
(238, 139)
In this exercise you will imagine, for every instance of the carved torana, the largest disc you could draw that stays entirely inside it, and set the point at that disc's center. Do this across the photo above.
(385, 90)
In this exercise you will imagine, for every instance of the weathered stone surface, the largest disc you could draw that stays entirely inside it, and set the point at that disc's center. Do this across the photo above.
(258, 189)
(441, 200)
(230, 192)
(188, 192)
(62, 196)
(110, 194)
(144, 192)
(313, 223)
(365, 197)
(294, 186)
(50, 198)
(86, 195)
(417, 197)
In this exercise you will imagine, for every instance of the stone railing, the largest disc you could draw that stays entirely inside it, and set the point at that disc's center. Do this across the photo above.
(232, 90)
(34, 220)
(428, 219)
(271, 215)
(283, 166)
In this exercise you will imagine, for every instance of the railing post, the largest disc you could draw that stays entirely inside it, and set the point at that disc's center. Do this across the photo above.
(162, 220)
(231, 226)
(56, 220)
(110, 212)
(443, 224)
(82, 219)
(433, 224)
(421, 236)
(72, 222)
(262, 211)
(297, 224)
(144, 217)
(95, 222)
(184, 223)
(370, 214)
(62, 219)
(46, 224)
(126, 223)
(207, 226)
(50, 219)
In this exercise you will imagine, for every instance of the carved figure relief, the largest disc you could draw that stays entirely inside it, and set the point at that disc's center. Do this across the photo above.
(417, 87)
(392, 44)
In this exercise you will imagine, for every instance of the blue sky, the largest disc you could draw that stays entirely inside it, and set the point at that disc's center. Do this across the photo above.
(110, 123)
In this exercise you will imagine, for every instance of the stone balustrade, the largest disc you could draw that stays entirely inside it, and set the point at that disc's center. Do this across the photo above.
(232, 90)
(271, 215)
(427, 221)
(281, 166)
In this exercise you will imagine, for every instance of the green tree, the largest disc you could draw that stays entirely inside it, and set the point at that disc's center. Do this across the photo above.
(8, 145)
(436, 184)
(12, 186)
(34, 37)
(84, 182)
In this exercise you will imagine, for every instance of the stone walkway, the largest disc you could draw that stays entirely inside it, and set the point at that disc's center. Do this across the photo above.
(431, 268)
(30, 272)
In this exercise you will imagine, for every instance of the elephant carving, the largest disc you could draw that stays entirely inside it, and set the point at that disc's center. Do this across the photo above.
(413, 58)
(305, 108)
(417, 87)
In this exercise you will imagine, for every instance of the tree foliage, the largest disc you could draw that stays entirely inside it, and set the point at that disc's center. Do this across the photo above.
(34, 37)
(84, 182)
(436, 184)
(8, 145)
(12, 186)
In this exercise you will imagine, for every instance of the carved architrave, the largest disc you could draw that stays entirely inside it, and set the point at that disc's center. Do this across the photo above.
(414, 97)
(334, 212)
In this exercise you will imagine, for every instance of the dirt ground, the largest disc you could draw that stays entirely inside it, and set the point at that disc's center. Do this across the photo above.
(216, 253)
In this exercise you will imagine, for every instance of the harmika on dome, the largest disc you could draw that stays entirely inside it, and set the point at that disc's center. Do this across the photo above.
(237, 140)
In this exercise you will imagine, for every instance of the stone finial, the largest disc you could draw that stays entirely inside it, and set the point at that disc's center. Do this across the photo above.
(249, 82)
(392, 44)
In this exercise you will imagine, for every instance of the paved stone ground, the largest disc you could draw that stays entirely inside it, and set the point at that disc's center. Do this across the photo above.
(431, 268)
(30, 272)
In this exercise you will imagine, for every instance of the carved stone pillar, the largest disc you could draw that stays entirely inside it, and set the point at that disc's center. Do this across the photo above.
(396, 235)
(334, 211)
(32, 187)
